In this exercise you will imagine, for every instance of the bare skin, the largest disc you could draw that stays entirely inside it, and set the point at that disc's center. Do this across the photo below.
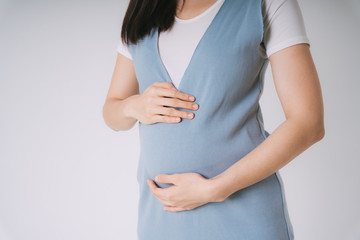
(298, 88)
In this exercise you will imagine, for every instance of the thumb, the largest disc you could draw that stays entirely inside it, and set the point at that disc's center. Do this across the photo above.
(165, 178)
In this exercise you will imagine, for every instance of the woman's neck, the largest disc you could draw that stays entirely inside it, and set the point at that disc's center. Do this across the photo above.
(193, 8)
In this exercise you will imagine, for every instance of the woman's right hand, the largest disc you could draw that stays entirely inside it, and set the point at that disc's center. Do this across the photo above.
(157, 104)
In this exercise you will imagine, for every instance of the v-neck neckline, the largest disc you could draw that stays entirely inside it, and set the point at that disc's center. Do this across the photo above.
(188, 67)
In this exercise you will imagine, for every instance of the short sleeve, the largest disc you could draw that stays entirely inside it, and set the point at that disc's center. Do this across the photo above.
(283, 25)
(122, 48)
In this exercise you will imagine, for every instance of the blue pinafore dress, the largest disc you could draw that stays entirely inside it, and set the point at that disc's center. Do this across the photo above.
(225, 75)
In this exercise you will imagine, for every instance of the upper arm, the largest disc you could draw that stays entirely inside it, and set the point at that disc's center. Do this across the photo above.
(283, 25)
(297, 84)
(288, 49)
(124, 82)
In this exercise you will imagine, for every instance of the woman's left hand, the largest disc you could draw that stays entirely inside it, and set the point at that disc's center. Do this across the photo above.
(190, 190)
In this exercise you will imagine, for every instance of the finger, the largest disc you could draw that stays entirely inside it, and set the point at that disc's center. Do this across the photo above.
(166, 119)
(175, 102)
(160, 195)
(166, 84)
(167, 178)
(174, 93)
(173, 209)
(157, 192)
(172, 112)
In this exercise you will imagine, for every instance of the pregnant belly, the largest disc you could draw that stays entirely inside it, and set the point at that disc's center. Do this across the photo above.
(171, 149)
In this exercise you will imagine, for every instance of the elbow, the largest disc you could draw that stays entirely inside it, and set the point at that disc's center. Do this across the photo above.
(313, 128)
(317, 130)
(106, 120)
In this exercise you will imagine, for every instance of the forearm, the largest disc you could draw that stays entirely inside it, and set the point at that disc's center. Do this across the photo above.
(118, 113)
(286, 142)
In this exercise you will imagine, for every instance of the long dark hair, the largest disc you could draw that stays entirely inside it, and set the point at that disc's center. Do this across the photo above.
(143, 15)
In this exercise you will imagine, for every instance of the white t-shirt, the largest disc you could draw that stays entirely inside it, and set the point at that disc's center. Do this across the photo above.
(283, 27)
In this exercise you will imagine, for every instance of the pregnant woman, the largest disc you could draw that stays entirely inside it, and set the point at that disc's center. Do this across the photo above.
(191, 74)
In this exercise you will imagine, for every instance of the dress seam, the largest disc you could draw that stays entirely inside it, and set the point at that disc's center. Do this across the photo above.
(283, 207)
(258, 105)
(260, 84)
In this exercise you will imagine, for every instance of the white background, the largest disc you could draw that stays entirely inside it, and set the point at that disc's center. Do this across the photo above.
(65, 175)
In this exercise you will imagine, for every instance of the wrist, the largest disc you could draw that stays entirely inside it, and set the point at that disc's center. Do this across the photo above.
(217, 190)
(129, 106)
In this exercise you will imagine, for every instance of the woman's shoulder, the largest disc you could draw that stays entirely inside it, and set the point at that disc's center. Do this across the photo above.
(283, 25)
(123, 49)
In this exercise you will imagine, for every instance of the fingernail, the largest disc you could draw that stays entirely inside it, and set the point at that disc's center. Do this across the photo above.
(156, 178)
(192, 98)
